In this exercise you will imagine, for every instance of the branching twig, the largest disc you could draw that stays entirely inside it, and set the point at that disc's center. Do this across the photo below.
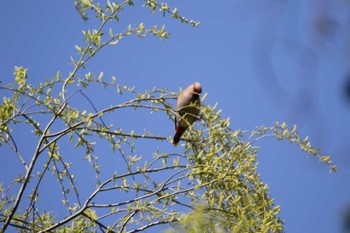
(30, 168)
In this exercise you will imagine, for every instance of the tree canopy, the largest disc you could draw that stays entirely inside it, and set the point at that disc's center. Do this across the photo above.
(211, 185)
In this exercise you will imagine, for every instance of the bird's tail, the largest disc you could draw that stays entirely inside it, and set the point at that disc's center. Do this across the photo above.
(178, 134)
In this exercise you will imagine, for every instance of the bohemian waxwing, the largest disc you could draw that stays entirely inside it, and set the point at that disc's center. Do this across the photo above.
(187, 109)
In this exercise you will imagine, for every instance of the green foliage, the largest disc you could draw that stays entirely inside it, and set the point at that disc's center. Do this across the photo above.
(198, 221)
(214, 180)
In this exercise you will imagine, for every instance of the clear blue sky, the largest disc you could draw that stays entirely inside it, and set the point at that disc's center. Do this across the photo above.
(262, 61)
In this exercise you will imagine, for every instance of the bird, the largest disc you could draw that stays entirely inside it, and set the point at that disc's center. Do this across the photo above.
(187, 109)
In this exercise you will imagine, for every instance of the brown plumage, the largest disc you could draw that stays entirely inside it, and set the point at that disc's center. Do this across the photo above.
(187, 109)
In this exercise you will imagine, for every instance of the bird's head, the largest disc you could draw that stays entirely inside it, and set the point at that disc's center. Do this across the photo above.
(197, 88)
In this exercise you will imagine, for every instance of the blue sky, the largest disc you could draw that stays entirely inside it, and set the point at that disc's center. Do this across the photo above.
(261, 61)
